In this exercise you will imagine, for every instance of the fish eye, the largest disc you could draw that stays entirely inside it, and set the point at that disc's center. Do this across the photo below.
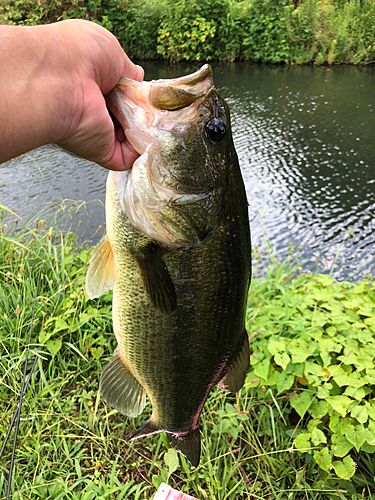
(215, 129)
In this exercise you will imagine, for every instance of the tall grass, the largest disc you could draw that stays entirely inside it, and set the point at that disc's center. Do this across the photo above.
(72, 446)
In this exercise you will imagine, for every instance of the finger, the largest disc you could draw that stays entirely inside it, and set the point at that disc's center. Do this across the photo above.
(140, 73)
(131, 70)
(122, 158)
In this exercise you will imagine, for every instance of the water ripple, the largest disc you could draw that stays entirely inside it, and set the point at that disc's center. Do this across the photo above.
(304, 137)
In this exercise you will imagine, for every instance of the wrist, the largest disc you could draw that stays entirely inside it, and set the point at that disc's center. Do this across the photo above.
(37, 88)
(54, 81)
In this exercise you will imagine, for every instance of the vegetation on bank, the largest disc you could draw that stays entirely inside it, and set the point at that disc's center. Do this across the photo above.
(271, 31)
(302, 427)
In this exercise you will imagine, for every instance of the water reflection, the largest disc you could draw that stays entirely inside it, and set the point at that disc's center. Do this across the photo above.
(305, 142)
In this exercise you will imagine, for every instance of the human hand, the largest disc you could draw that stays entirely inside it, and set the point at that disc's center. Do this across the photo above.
(95, 62)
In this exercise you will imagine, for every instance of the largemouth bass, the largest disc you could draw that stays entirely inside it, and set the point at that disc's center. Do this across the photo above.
(177, 256)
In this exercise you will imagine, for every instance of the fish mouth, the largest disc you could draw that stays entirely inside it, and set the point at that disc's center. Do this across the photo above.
(141, 108)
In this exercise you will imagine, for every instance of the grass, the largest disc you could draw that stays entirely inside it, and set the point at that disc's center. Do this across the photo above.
(71, 446)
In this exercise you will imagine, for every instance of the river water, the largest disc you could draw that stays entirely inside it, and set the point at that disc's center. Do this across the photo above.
(305, 138)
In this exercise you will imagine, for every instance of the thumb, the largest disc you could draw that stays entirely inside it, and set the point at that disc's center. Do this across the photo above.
(131, 70)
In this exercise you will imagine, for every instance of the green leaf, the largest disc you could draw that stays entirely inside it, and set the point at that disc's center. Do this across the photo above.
(251, 380)
(364, 361)
(54, 346)
(339, 403)
(324, 390)
(276, 345)
(44, 335)
(368, 448)
(355, 392)
(156, 480)
(370, 405)
(343, 425)
(97, 352)
(318, 436)
(327, 344)
(371, 433)
(261, 369)
(323, 458)
(345, 469)
(360, 413)
(370, 376)
(356, 435)
(171, 460)
(300, 350)
(301, 402)
(60, 325)
(284, 381)
(302, 441)
(340, 445)
(318, 408)
(314, 372)
(282, 359)
(340, 376)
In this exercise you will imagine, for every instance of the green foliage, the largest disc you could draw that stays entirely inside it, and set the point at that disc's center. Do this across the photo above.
(191, 30)
(301, 27)
(314, 340)
(266, 36)
(254, 444)
(273, 31)
(191, 43)
(134, 22)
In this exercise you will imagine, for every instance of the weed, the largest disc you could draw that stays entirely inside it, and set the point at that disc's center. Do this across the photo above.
(280, 437)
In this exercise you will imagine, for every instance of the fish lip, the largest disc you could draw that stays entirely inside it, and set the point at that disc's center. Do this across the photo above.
(143, 107)
(164, 94)
(190, 80)
(178, 93)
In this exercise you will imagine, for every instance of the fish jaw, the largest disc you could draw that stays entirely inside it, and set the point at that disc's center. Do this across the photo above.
(157, 117)
(142, 108)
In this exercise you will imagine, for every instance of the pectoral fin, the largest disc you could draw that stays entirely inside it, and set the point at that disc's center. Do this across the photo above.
(235, 377)
(100, 274)
(120, 389)
(157, 280)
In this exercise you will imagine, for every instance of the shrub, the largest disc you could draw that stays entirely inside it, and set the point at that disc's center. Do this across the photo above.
(274, 31)
(314, 341)
(266, 32)
(193, 30)
(133, 22)
(192, 41)
(300, 29)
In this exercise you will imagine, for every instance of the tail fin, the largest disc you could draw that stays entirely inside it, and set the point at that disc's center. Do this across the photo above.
(188, 444)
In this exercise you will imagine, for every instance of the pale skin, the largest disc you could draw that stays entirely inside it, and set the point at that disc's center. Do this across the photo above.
(53, 82)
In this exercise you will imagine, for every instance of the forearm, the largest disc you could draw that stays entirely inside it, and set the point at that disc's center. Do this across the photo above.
(34, 84)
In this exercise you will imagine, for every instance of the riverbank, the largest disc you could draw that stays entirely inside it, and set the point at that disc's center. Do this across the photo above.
(304, 423)
(272, 31)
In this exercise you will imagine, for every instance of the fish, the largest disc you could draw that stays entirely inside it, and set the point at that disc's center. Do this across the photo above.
(177, 256)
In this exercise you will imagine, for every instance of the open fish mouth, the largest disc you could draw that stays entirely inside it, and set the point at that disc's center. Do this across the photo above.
(142, 108)
(163, 121)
